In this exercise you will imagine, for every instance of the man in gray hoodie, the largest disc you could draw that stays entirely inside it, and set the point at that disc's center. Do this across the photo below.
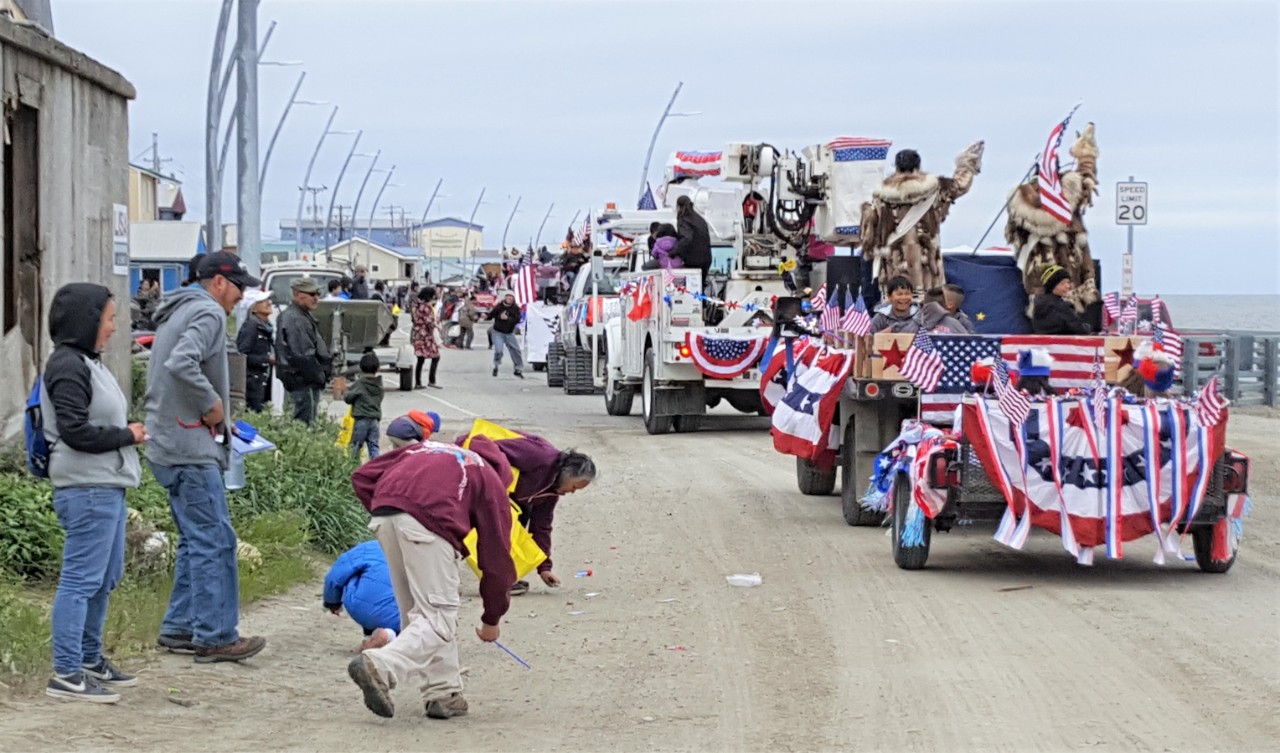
(188, 408)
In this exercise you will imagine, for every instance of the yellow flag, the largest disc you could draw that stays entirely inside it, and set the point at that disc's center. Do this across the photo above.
(525, 552)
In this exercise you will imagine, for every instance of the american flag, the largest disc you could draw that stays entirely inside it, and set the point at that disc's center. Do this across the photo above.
(668, 278)
(923, 366)
(958, 352)
(1051, 197)
(857, 148)
(1014, 403)
(1210, 403)
(580, 237)
(830, 320)
(1111, 305)
(646, 202)
(696, 164)
(819, 299)
(1073, 356)
(524, 284)
(856, 319)
(1130, 312)
(1168, 341)
(1099, 400)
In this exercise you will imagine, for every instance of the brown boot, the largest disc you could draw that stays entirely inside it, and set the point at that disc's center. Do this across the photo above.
(447, 708)
(377, 695)
(238, 651)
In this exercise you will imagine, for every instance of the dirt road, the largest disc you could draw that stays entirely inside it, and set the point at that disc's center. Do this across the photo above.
(986, 650)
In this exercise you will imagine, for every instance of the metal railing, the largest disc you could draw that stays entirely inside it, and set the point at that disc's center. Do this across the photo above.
(1247, 363)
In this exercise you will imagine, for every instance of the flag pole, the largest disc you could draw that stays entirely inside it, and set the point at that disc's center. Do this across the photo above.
(1034, 166)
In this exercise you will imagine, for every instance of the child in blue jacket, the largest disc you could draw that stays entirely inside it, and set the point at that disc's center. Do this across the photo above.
(360, 581)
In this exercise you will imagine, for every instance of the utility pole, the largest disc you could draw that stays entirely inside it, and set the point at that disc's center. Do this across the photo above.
(315, 210)
(213, 117)
(248, 188)
(157, 164)
(341, 220)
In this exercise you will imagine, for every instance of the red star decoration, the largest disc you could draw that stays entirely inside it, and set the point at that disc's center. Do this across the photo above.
(893, 355)
(1125, 353)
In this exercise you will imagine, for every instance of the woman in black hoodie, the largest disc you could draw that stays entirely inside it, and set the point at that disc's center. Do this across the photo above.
(92, 461)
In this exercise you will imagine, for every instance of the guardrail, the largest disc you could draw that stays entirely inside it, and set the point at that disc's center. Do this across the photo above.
(1248, 364)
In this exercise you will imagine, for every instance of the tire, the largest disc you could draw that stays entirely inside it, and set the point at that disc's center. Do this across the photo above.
(648, 394)
(907, 557)
(814, 480)
(1202, 543)
(555, 364)
(853, 483)
(686, 424)
(617, 398)
(539, 366)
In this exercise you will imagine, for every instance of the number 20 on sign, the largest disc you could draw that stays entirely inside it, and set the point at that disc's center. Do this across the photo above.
(1131, 203)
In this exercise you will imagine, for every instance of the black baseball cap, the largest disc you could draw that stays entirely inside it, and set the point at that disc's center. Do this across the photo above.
(229, 266)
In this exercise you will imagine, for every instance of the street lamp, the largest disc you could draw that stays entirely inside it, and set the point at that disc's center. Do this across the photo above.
(333, 197)
(293, 100)
(306, 181)
(644, 176)
(385, 182)
(537, 241)
(466, 236)
(355, 210)
(511, 217)
(214, 99)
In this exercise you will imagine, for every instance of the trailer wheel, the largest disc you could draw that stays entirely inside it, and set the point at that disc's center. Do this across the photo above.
(853, 482)
(555, 364)
(653, 424)
(813, 479)
(688, 423)
(909, 556)
(618, 398)
(1202, 543)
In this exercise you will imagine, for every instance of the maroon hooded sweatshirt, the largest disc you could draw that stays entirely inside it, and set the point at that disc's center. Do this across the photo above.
(539, 464)
(449, 491)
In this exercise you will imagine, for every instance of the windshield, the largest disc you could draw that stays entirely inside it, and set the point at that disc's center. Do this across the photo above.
(609, 283)
(278, 284)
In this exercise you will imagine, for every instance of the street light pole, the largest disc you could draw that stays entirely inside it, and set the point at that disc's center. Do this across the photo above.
(232, 67)
(355, 209)
(248, 189)
(306, 181)
(538, 240)
(213, 118)
(376, 199)
(333, 197)
(271, 145)
(510, 217)
(466, 236)
(644, 176)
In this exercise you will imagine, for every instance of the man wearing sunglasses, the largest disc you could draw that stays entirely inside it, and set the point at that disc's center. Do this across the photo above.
(188, 423)
(302, 356)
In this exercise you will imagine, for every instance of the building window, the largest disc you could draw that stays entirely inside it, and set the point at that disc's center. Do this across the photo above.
(374, 268)
(21, 264)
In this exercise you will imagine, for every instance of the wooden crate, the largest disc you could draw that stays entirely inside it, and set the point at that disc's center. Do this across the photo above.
(886, 355)
(1118, 351)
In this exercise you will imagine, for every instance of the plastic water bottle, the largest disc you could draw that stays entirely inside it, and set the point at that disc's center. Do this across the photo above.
(744, 580)
(234, 477)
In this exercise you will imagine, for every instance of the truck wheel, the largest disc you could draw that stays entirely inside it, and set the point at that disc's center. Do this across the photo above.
(854, 477)
(686, 424)
(910, 549)
(648, 394)
(555, 365)
(617, 397)
(1202, 543)
(539, 367)
(813, 479)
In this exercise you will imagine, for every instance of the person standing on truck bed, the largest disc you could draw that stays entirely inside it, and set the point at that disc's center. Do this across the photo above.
(693, 249)
(302, 356)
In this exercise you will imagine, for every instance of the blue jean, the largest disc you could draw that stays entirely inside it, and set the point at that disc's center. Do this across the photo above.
(364, 434)
(512, 344)
(305, 401)
(92, 564)
(205, 602)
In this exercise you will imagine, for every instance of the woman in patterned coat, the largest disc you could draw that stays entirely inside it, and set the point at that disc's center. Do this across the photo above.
(425, 343)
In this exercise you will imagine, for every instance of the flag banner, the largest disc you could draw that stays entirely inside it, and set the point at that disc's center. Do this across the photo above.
(922, 365)
(803, 419)
(524, 284)
(724, 357)
(695, 164)
(774, 378)
(857, 170)
(1048, 178)
(958, 353)
(646, 202)
(1094, 490)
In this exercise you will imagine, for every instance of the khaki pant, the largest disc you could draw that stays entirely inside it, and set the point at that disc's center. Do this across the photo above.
(424, 576)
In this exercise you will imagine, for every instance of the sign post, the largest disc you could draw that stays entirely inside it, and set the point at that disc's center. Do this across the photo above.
(120, 240)
(1131, 209)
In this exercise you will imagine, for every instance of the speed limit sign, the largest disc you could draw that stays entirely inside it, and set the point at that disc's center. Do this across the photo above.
(1131, 203)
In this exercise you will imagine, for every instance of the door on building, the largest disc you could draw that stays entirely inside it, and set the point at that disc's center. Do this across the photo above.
(21, 249)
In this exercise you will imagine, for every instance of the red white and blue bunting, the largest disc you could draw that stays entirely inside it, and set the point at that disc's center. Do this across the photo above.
(724, 357)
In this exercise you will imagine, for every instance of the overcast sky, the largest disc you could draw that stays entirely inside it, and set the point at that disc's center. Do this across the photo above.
(556, 101)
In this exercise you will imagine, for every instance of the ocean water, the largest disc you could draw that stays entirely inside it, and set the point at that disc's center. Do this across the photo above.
(1254, 313)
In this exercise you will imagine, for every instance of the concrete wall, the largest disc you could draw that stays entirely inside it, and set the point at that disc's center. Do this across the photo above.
(82, 163)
